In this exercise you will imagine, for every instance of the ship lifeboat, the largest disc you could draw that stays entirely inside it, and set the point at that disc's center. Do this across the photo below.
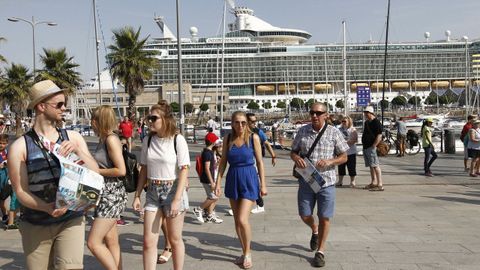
(282, 88)
(379, 85)
(400, 85)
(421, 84)
(440, 84)
(458, 84)
(305, 86)
(266, 88)
(320, 87)
(354, 86)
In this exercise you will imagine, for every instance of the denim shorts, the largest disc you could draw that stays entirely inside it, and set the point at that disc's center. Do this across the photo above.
(306, 199)
(371, 158)
(160, 196)
(208, 191)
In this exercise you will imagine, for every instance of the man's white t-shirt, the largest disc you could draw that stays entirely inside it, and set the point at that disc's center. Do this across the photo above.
(212, 124)
(160, 158)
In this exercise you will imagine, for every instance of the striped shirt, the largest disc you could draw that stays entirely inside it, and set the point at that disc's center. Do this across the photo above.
(331, 145)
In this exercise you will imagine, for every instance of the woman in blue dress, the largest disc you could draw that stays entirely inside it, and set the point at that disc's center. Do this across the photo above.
(242, 149)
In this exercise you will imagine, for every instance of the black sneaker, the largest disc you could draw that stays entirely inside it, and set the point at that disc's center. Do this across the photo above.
(318, 260)
(11, 227)
(314, 242)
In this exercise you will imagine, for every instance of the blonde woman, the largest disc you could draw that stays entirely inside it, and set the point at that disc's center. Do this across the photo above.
(242, 149)
(165, 162)
(103, 238)
(351, 136)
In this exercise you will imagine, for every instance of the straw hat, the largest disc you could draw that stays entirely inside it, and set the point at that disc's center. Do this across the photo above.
(41, 91)
(430, 120)
(476, 121)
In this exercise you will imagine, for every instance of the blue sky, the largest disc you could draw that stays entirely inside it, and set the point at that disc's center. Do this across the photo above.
(322, 18)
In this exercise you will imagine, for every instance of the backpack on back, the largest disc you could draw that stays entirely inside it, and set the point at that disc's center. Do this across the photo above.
(130, 179)
(262, 143)
(199, 165)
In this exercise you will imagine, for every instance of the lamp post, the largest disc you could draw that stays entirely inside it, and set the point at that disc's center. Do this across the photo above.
(32, 23)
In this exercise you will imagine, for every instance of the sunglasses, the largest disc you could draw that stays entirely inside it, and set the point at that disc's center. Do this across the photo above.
(152, 118)
(243, 123)
(317, 113)
(57, 105)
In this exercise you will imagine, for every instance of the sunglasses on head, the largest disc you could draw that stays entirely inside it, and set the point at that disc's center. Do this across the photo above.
(317, 113)
(152, 118)
(57, 105)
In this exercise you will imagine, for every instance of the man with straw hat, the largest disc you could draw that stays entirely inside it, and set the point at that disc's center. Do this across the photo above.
(51, 237)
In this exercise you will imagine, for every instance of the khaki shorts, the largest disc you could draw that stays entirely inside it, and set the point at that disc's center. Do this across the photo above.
(56, 246)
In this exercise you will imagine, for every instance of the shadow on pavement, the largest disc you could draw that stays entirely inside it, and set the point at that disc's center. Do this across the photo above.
(454, 199)
(17, 257)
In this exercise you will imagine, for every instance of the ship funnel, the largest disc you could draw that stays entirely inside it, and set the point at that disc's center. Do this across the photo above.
(167, 34)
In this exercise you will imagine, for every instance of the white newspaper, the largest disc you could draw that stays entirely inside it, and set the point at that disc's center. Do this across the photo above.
(311, 175)
(79, 188)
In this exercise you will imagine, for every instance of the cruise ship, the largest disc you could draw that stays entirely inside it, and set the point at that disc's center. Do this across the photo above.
(269, 64)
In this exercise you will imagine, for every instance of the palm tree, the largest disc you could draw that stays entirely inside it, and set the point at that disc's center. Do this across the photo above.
(130, 63)
(59, 68)
(2, 59)
(14, 90)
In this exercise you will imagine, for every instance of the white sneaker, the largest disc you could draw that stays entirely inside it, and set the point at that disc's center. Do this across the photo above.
(213, 219)
(230, 212)
(258, 209)
(198, 213)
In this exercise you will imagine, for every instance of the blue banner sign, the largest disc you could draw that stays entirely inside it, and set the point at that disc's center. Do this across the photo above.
(363, 96)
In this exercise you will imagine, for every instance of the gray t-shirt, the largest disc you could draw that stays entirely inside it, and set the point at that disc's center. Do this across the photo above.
(401, 128)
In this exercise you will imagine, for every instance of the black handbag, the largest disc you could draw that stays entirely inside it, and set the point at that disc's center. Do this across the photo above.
(295, 173)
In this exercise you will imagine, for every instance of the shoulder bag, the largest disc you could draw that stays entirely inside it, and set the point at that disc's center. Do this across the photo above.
(295, 173)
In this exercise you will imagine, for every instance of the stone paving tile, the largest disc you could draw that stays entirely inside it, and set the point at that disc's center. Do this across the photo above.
(462, 258)
(447, 267)
(425, 247)
(408, 257)
(383, 266)
(362, 246)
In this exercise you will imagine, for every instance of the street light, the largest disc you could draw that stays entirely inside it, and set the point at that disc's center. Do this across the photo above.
(32, 23)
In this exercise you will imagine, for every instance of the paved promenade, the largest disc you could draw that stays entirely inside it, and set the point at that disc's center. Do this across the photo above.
(416, 223)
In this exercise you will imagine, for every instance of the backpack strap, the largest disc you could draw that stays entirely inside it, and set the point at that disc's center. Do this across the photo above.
(149, 140)
(175, 143)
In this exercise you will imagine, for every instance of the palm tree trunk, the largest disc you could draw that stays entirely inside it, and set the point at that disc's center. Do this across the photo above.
(18, 125)
(132, 99)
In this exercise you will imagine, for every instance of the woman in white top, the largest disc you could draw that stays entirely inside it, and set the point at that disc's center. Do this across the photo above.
(474, 148)
(351, 136)
(165, 162)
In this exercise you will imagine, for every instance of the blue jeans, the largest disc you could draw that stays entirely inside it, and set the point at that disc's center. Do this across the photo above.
(429, 160)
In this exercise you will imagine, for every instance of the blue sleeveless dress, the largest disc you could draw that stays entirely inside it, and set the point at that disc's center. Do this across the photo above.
(242, 178)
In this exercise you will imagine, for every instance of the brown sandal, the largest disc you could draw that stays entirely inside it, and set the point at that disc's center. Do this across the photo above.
(370, 186)
(162, 258)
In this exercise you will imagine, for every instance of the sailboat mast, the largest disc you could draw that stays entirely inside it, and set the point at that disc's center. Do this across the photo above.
(344, 60)
(326, 77)
(97, 43)
(180, 77)
(223, 63)
(385, 62)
